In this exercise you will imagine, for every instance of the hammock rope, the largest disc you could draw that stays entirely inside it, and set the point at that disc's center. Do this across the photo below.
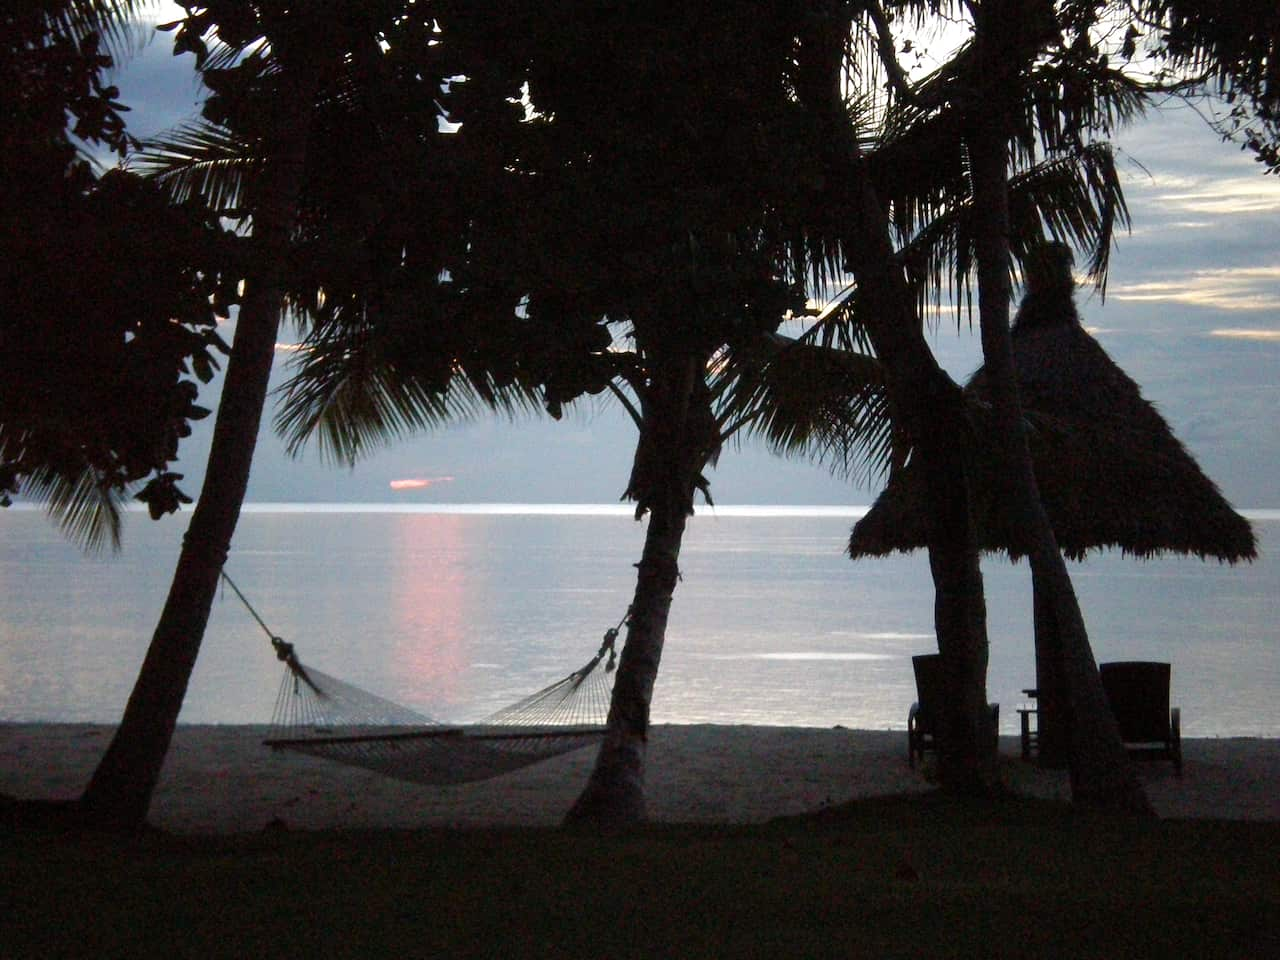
(322, 716)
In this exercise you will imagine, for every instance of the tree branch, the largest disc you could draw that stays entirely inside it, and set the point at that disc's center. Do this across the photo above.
(898, 78)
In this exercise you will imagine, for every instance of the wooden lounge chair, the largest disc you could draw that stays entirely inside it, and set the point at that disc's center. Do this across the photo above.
(922, 719)
(1138, 692)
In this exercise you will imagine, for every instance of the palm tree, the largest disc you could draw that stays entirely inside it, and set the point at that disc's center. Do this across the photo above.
(693, 177)
(1073, 192)
(925, 404)
(999, 106)
(119, 792)
(369, 245)
(364, 238)
(1008, 36)
(649, 194)
(678, 437)
(282, 79)
(1062, 99)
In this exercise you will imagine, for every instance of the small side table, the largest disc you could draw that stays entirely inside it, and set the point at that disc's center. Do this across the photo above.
(1030, 730)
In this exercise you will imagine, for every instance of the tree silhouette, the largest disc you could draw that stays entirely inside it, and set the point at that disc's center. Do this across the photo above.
(109, 293)
(348, 240)
(924, 185)
(1008, 36)
(120, 790)
(1232, 50)
(641, 215)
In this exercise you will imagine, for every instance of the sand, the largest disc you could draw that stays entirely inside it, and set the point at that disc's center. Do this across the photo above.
(220, 779)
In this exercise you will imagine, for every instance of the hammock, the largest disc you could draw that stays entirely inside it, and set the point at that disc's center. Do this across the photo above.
(325, 717)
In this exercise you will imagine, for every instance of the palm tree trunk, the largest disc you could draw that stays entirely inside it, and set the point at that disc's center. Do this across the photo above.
(678, 437)
(1051, 696)
(120, 790)
(615, 795)
(926, 404)
(1101, 774)
(966, 758)
(929, 405)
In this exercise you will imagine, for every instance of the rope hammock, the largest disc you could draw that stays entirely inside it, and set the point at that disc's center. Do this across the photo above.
(325, 717)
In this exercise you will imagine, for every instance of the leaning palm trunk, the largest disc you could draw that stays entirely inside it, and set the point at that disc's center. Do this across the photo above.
(119, 793)
(1100, 771)
(615, 793)
(1101, 775)
(926, 405)
(678, 437)
(933, 414)
(1051, 691)
(966, 759)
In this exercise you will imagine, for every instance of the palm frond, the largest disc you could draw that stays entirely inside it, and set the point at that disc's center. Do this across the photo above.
(920, 170)
(807, 400)
(88, 512)
(200, 159)
(1066, 106)
(919, 163)
(1077, 199)
(117, 21)
(353, 391)
(842, 325)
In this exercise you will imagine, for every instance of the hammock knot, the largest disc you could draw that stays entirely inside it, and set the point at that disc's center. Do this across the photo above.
(610, 636)
(284, 650)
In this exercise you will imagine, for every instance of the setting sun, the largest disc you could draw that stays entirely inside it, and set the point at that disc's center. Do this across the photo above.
(418, 483)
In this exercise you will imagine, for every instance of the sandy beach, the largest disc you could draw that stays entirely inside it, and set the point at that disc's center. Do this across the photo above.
(220, 779)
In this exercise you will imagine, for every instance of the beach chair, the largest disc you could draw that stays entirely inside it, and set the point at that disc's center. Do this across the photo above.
(1138, 692)
(1029, 723)
(922, 718)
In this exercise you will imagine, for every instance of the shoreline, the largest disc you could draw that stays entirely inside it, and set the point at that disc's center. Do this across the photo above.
(219, 779)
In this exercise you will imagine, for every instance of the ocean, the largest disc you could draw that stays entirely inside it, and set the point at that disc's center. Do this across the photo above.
(458, 610)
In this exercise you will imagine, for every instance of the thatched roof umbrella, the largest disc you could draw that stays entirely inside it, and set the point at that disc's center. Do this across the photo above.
(1110, 471)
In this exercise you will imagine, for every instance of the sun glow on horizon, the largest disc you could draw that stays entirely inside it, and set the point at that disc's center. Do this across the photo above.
(418, 483)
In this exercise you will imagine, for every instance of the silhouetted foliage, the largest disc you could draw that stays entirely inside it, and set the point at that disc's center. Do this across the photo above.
(109, 293)
(1235, 47)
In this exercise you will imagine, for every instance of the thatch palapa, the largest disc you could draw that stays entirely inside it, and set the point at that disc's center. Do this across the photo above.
(1110, 471)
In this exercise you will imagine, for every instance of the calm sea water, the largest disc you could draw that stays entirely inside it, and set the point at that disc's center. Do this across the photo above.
(457, 613)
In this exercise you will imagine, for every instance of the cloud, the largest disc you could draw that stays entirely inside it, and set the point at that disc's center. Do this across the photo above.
(161, 90)
(1154, 230)
(1239, 195)
(1225, 288)
(1229, 333)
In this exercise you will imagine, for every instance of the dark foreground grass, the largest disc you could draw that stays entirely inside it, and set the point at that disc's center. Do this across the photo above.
(923, 876)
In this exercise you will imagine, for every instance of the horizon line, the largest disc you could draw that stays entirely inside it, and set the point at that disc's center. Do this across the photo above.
(498, 507)
(501, 508)
(495, 508)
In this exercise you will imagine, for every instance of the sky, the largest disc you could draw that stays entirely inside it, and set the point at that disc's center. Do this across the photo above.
(1192, 313)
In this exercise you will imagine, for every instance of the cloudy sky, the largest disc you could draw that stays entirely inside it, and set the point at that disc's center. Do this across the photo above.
(1192, 313)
